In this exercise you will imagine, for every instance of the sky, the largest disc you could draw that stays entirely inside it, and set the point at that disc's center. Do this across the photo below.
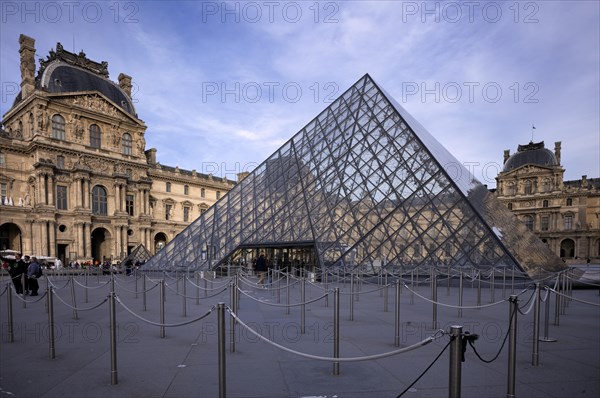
(222, 85)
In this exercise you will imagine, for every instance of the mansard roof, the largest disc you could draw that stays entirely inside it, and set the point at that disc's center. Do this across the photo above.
(531, 154)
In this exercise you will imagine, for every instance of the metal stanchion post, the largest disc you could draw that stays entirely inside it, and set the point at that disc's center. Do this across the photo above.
(144, 291)
(412, 287)
(303, 305)
(183, 295)
(512, 282)
(221, 348)
(287, 294)
(336, 329)
(456, 352)
(232, 300)
(397, 316)
(86, 285)
(434, 297)
(52, 351)
(385, 298)
(11, 335)
(479, 290)
(113, 339)
(351, 297)
(493, 286)
(73, 297)
(503, 282)
(460, 294)
(162, 307)
(197, 276)
(512, 345)
(547, 339)
(535, 356)
(135, 277)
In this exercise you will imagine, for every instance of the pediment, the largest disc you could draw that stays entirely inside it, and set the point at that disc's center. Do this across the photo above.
(97, 103)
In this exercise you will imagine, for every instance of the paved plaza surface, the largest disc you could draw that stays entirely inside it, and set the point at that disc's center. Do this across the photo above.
(184, 363)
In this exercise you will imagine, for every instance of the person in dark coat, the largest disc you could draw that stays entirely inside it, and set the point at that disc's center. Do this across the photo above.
(33, 272)
(261, 268)
(15, 271)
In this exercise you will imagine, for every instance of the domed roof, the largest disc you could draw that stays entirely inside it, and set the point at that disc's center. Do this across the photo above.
(532, 153)
(61, 77)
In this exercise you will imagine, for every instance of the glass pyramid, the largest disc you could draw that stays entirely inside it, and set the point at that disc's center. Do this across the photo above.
(363, 185)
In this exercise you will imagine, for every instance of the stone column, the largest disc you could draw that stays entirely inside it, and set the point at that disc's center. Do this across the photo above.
(80, 246)
(29, 241)
(41, 191)
(43, 228)
(77, 192)
(124, 238)
(87, 235)
(86, 193)
(123, 197)
(52, 232)
(117, 240)
(50, 189)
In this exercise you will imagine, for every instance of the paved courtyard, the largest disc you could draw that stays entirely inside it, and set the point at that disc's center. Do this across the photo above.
(184, 363)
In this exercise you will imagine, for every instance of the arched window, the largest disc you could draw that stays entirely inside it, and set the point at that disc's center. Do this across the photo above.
(58, 127)
(126, 144)
(99, 202)
(95, 141)
(569, 201)
(545, 203)
(510, 206)
(528, 222)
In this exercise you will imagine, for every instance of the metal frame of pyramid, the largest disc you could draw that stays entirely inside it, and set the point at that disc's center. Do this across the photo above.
(363, 183)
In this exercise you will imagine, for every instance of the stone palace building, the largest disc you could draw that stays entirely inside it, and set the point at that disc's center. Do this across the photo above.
(76, 179)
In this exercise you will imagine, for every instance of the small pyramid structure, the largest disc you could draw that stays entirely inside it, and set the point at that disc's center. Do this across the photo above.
(363, 183)
(138, 255)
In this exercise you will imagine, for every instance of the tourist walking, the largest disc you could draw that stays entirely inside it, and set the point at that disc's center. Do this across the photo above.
(261, 268)
(34, 271)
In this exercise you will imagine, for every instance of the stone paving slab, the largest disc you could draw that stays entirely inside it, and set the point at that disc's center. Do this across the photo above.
(185, 362)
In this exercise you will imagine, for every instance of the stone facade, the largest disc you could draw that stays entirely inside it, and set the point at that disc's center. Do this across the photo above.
(563, 214)
(76, 180)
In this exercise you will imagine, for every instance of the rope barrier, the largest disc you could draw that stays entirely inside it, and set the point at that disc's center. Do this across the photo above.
(532, 303)
(201, 288)
(31, 301)
(454, 306)
(282, 305)
(331, 359)
(89, 287)
(573, 298)
(167, 325)
(59, 288)
(77, 308)
(194, 297)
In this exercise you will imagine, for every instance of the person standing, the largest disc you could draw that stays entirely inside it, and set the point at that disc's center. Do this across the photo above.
(33, 273)
(14, 271)
(261, 268)
(23, 265)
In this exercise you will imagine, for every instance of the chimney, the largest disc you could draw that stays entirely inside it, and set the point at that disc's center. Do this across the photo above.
(27, 52)
(151, 156)
(506, 154)
(584, 182)
(125, 83)
(557, 151)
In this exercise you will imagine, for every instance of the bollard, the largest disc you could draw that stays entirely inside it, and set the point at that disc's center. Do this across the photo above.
(336, 329)
(512, 345)
(456, 352)
(73, 297)
(221, 348)
(162, 307)
(535, 356)
(397, 316)
(302, 306)
(113, 339)
(11, 335)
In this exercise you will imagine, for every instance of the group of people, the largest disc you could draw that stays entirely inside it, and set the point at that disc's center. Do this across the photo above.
(19, 266)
